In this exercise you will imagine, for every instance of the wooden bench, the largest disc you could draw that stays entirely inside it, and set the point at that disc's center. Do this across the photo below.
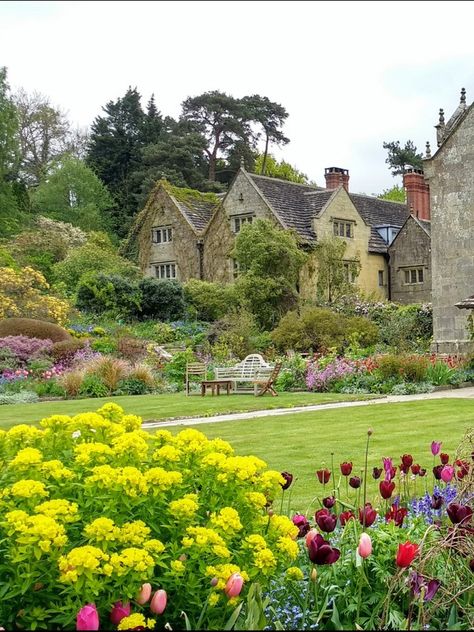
(242, 375)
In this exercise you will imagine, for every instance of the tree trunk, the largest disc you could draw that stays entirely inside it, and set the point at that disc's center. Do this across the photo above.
(264, 161)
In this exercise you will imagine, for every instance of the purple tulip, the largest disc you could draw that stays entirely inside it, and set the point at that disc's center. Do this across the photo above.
(302, 523)
(459, 514)
(320, 551)
(435, 447)
(418, 582)
(447, 473)
(325, 520)
(288, 480)
(329, 502)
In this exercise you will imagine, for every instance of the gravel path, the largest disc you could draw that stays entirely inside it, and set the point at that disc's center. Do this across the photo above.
(389, 399)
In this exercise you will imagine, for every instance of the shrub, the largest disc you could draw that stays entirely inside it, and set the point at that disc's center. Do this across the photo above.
(131, 386)
(104, 345)
(145, 518)
(210, 301)
(25, 293)
(439, 373)
(71, 381)
(163, 333)
(8, 360)
(316, 329)
(65, 350)
(293, 374)
(142, 373)
(26, 348)
(109, 370)
(23, 397)
(108, 294)
(409, 367)
(49, 388)
(175, 369)
(234, 335)
(132, 349)
(163, 300)
(367, 332)
(93, 386)
(32, 328)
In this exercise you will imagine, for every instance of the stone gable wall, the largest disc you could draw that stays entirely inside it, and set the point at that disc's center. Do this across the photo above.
(451, 180)
(411, 248)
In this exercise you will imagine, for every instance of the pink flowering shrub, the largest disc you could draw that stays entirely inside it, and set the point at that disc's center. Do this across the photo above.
(25, 348)
(320, 375)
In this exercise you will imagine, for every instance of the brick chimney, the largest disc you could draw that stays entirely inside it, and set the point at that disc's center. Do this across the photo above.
(335, 176)
(418, 193)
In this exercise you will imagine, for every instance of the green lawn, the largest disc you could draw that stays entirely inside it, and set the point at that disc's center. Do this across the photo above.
(168, 406)
(302, 443)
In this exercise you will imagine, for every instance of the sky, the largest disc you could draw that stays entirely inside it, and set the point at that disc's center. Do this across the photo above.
(351, 74)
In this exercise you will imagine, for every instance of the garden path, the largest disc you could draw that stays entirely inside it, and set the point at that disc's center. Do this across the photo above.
(388, 399)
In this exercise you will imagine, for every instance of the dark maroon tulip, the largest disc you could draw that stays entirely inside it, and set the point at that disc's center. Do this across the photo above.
(323, 475)
(437, 472)
(422, 471)
(415, 469)
(376, 472)
(367, 515)
(397, 514)
(459, 514)
(345, 516)
(393, 471)
(302, 523)
(288, 480)
(471, 564)
(386, 488)
(325, 520)
(436, 501)
(418, 582)
(355, 482)
(320, 551)
(329, 502)
(444, 458)
(404, 468)
(407, 460)
(346, 468)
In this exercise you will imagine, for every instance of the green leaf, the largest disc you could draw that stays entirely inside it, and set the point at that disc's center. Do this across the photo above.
(233, 617)
(335, 617)
(186, 621)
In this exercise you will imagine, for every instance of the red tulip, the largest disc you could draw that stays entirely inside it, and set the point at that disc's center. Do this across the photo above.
(415, 469)
(329, 502)
(302, 523)
(323, 475)
(367, 515)
(320, 551)
(447, 473)
(437, 472)
(407, 460)
(119, 612)
(288, 480)
(386, 488)
(435, 447)
(355, 482)
(459, 514)
(234, 585)
(365, 545)
(406, 554)
(144, 594)
(444, 458)
(346, 468)
(158, 601)
(404, 468)
(345, 516)
(87, 618)
(397, 514)
(325, 520)
(376, 472)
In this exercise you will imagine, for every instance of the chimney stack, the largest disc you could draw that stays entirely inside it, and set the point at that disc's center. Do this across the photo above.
(418, 193)
(335, 176)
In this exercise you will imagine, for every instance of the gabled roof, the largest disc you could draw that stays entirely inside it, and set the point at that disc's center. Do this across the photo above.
(452, 125)
(377, 212)
(196, 207)
(425, 225)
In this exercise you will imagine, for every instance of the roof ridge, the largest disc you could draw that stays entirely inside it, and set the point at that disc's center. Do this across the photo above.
(298, 184)
(374, 197)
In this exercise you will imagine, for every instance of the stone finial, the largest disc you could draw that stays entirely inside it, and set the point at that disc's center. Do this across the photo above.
(428, 149)
(463, 96)
(242, 163)
(441, 116)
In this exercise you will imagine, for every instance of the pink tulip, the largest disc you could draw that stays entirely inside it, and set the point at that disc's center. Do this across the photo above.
(144, 594)
(447, 473)
(435, 447)
(234, 585)
(310, 535)
(158, 602)
(87, 618)
(119, 612)
(365, 545)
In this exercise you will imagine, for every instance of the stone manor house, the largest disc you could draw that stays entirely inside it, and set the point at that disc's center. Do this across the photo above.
(416, 252)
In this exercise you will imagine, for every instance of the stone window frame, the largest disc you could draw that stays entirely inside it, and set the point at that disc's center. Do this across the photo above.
(161, 270)
(235, 268)
(345, 225)
(413, 275)
(237, 221)
(161, 235)
(349, 276)
(381, 278)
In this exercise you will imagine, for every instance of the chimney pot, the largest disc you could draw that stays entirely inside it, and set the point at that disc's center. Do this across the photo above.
(418, 193)
(335, 177)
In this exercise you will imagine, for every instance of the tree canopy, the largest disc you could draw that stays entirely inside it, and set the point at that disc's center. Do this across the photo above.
(399, 158)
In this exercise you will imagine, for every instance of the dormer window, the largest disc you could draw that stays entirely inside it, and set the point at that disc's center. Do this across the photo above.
(238, 221)
(161, 234)
(388, 233)
(343, 228)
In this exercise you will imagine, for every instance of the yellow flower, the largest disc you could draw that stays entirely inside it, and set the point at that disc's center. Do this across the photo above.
(26, 457)
(28, 489)
(42, 531)
(294, 574)
(102, 530)
(221, 551)
(271, 481)
(213, 459)
(131, 559)
(256, 499)
(161, 480)
(219, 445)
(177, 567)
(184, 508)
(24, 434)
(213, 599)
(56, 422)
(56, 470)
(255, 541)
(131, 422)
(130, 444)
(228, 520)
(92, 452)
(201, 537)
(167, 453)
(222, 572)
(16, 517)
(265, 561)
(59, 509)
(242, 468)
(134, 621)
(288, 547)
(162, 437)
(134, 532)
(111, 412)
(155, 547)
(282, 525)
(82, 559)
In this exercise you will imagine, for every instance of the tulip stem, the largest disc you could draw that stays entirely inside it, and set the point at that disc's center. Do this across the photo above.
(289, 500)
(359, 592)
(305, 606)
(369, 432)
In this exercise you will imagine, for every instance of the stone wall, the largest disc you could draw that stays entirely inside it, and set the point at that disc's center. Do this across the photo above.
(411, 248)
(450, 176)
(219, 238)
(183, 249)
